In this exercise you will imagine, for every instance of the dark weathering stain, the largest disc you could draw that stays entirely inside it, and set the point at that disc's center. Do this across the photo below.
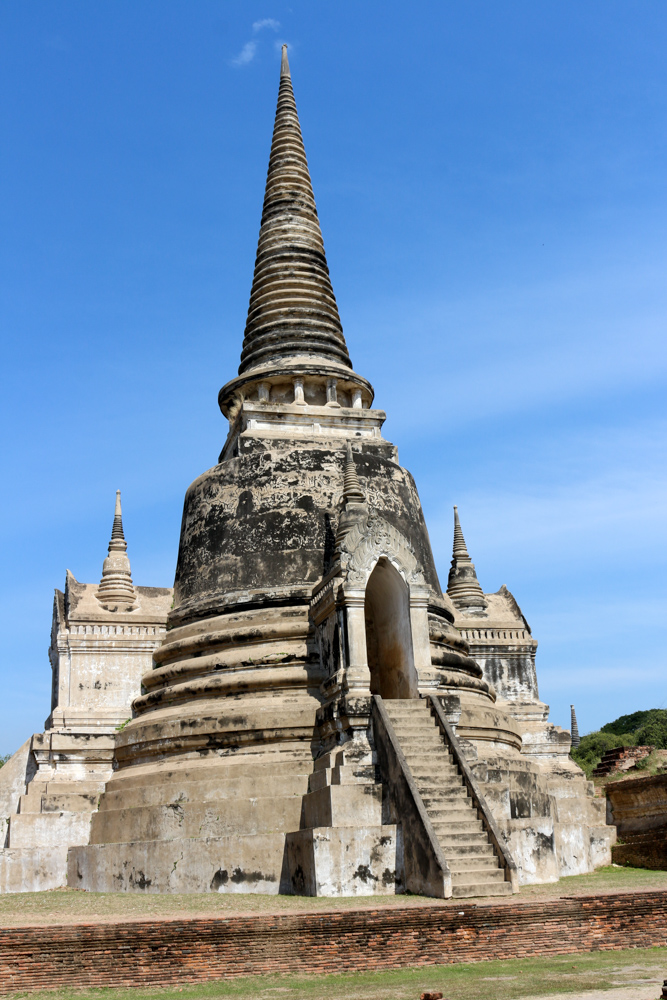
(140, 881)
(220, 878)
(238, 877)
(365, 874)
(245, 504)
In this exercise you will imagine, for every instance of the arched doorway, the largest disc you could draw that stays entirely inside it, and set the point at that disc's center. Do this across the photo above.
(389, 634)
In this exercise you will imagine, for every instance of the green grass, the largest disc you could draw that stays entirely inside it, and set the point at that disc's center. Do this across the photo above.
(75, 906)
(508, 980)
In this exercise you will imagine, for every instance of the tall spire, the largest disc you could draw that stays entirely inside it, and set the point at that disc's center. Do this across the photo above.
(116, 588)
(463, 586)
(574, 728)
(292, 311)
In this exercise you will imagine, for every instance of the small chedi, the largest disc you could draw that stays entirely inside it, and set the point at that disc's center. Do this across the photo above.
(318, 717)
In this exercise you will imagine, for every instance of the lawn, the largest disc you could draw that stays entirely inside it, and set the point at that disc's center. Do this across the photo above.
(76, 906)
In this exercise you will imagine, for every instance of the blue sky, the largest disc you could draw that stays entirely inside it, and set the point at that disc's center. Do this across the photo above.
(490, 179)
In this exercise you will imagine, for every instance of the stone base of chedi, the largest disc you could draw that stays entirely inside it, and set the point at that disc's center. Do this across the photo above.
(320, 718)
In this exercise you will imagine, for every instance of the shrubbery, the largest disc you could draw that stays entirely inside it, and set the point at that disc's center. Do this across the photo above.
(647, 728)
(589, 752)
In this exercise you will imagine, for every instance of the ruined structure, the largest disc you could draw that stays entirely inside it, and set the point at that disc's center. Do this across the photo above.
(638, 809)
(314, 721)
(102, 641)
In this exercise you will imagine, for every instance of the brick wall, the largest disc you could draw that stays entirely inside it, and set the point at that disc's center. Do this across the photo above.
(642, 850)
(197, 950)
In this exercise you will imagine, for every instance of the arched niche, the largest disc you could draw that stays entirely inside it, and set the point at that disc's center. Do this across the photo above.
(389, 645)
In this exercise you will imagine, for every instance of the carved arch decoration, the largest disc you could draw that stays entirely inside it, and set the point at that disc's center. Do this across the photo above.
(368, 542)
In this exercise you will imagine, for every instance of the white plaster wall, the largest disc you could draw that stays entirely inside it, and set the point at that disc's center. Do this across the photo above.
(14, 776)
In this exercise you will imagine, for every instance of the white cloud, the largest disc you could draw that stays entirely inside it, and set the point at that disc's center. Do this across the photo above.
(266, 22)
(246, 55)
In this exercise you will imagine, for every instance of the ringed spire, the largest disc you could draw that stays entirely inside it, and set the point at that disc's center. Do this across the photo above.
(292, 310)
(463, 586)
(116, 587)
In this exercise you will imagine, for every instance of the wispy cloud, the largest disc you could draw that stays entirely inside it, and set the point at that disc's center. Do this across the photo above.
(246, 55)
(266, 22)
(249, 50)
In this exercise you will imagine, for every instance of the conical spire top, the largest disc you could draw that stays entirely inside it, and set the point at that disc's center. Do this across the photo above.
(459, 541)
(574, 728)
(116, 589)
(117, 529)
(463, 586)
(292, 311)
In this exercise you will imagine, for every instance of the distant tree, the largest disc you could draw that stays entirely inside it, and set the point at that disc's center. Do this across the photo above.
(626, 723)
(649, 727)
(3, 760)
(653, 730)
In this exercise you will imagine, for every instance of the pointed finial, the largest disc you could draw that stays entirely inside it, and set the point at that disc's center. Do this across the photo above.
(284, 63)
(574, 728)
(117, 530)
(463, 586)
(459, 541)
(116, 588)
(352, 491)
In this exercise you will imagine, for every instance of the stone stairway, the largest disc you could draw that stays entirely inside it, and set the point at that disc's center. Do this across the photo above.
(475, 867)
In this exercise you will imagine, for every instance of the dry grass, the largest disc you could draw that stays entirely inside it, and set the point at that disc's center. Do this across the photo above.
(75, 906)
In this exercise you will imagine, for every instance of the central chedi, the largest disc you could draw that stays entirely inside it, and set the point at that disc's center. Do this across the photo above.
(295, 734)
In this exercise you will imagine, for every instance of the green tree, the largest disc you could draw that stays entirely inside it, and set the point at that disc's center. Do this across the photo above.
(653, 730)
(626, 723)
(3, 760)
(648, 727)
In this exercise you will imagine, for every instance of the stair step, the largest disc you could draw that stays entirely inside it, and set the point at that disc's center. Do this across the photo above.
(473, 862)
(427, 762)
(438, 797)
(482, 889)
(412, 744)
(469, 837)
(475, 877)
(449, 784)
(457, 826)
(461, 851)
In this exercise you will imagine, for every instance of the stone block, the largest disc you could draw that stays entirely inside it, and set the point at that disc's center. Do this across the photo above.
(49, 830)
(345, 861)
(221, 864)
(32, 869)
(344, 806)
